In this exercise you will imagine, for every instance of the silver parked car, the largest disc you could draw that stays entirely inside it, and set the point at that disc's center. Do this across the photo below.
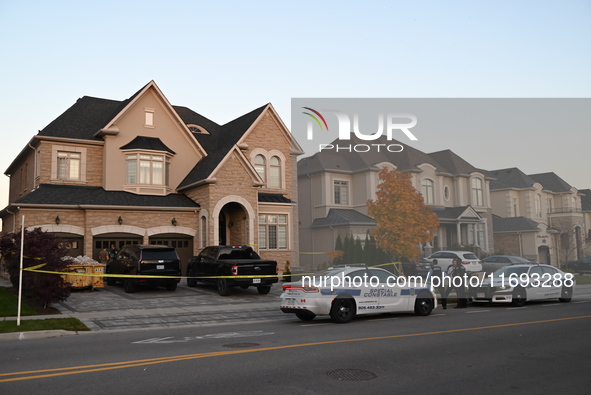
(444, 258)
(495, 262)
(518, 284)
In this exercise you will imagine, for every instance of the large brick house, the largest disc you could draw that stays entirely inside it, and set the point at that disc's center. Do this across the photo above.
(144, 171)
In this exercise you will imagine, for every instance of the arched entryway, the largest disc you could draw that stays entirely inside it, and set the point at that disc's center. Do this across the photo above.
(233, 224)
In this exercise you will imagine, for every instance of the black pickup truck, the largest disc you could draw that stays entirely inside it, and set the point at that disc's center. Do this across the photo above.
(226, 262)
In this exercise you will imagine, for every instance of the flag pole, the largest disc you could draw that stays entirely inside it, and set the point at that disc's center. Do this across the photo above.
(20, 277)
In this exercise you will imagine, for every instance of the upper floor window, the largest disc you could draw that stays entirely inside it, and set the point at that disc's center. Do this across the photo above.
(574, 202)
(270, 166)
(68, 165)
(341, 192)
(149, 117)
(275, 172)
(515, 214)
(147, 169)
(260, 166)
(428, 191)
(549, 204)
(477, 192)
(538, 205)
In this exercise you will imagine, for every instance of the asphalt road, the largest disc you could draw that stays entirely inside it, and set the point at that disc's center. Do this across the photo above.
(540, 348)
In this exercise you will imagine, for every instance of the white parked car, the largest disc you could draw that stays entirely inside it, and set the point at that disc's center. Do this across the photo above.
(517, 284)
(344, 292)
(444, 258)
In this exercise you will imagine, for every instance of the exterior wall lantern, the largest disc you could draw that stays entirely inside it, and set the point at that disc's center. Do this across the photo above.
(57, 220)
(120, 220)
(173, 222)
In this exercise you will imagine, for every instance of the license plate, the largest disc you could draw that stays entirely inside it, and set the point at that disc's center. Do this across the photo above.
(256, 280)
(160, 267)
(480, 295)
(290, 301)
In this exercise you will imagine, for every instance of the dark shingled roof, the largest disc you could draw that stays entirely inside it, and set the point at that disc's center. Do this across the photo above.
(273, 198)
(514, 224)
(407, 160)
(453, 163)
(586, 199)
(218, 144)
(453, 213)
(509, 178)
(341, 217)
(551, 182)
(147, 143)
(48, 194)
(84, 119)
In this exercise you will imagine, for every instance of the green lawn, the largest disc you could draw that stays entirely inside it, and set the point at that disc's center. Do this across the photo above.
(9, 305)
(68, 324)
(9, 308)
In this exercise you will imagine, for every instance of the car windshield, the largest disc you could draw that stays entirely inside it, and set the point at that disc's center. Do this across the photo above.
(509, 270)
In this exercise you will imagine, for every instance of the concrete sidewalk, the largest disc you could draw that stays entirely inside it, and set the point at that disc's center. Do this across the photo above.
(110, 308)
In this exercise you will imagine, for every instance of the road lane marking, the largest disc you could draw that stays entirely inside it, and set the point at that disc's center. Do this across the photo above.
(46, 373)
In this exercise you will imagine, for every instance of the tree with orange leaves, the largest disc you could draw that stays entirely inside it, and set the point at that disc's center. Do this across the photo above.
(402, 218)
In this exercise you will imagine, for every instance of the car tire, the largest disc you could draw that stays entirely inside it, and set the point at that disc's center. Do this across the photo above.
(191, 282)
(128, 286)
(519, 297)
(171, 287)
(223, 287)
(305, 315)
(423, 305)
(264, 289)
(342, 310)
(567, 294)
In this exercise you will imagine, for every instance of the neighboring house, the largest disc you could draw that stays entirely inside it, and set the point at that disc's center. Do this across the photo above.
(586, 208)
(537, 216)
(334, 188)
(144, 171)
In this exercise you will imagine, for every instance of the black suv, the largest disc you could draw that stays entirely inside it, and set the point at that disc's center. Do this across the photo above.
(147, 260)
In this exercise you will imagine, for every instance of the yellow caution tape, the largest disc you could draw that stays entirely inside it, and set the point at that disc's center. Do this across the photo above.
(98, 274)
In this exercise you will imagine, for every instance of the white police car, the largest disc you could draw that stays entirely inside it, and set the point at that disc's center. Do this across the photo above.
(344, 292)
(517, 284)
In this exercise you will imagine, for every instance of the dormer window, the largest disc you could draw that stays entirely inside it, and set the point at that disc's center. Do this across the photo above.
(147, 169)
(197, 129)
(147, 165)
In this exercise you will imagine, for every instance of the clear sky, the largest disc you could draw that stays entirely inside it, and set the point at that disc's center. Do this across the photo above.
(226, 58)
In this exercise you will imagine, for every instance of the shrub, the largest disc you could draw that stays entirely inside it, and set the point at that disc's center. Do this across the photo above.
(39, 248)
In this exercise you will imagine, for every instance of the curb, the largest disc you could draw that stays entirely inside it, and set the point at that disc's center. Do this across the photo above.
(36, 334)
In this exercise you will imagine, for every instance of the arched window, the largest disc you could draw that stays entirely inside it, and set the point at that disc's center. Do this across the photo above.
(275, 172)
(428, 191)
(477, 192)
(539, 205)
(260, 167)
